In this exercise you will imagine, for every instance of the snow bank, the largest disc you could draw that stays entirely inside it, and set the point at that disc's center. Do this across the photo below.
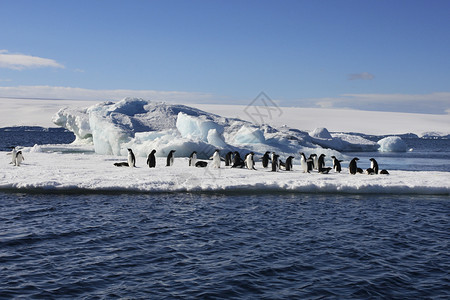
(144, 125)
(392, 144)
(341, 141)
(79, 172)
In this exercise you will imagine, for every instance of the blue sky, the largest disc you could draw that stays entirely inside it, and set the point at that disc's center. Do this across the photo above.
(374, 55)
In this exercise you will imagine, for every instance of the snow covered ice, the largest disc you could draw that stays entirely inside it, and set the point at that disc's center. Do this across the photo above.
(79, 172)
(392, 144)
(104, 132)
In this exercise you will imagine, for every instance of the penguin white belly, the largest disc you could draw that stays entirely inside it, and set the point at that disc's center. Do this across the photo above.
(216, 160)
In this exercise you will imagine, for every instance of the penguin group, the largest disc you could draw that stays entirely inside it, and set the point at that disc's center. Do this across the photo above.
(269, 160)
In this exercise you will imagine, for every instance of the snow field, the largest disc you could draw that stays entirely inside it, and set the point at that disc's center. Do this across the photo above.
(80, 172)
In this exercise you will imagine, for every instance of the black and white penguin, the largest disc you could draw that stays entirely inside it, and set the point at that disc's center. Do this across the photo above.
(384, 172)
(229, 159)
(359, 170)
(303, 163)
(216, 159)
(336, 164)
(374, 165)
(289, 163)
(131, 159)
(19, 158)
(237, 161)
(370, 171)
(192, 159)
(249, 161)
(265, 159)
(201, 164)
(321, 163)
(151, 159)
(324, 170)
(315, 161)
(170, 158)
(13, 155)
(275, 165)
(121, 164)
(352, 167)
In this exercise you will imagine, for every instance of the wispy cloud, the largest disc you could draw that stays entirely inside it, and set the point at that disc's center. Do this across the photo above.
(361, 76)
(70, 93)
(17, 61)
(433, 103)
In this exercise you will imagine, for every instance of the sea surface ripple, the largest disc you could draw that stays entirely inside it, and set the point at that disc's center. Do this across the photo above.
(213, 246)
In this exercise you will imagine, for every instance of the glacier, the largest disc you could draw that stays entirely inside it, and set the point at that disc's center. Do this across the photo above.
(144, 125)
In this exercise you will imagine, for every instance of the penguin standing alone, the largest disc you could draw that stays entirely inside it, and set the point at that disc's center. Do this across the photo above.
(336, 164)
(304, 163)
(352, 167)
(265, 159)
(193, 159)
(289, 163)
(19, 158)
(13, 155)
(170, 158)
(249, 161)
(151, 159)
(228, 158)
(131, 159)
(216, 159)
(321, 163)
(374, 165)
(275, 165)
(237, 161)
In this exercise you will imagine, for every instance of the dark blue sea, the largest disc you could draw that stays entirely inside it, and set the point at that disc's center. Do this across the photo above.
(226, 246)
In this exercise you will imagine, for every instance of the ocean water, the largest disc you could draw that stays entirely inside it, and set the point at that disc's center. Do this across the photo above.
(227, 246)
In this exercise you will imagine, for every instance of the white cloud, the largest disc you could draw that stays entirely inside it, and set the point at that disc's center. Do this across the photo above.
(433, 103)
(361, 76)
(22, 61)
(70, 93)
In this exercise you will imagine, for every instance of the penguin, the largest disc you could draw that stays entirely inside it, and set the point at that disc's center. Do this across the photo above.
(304, 163)
(216, 159)
(193, 159)
(336, 164)
(151, 159)
(121, 164)
(229, 158)
(359, 170)
(315, 161)
(249, 161)
(201, 164)
(352, 167)
(325, 170)
(237, 161)
(265, 159)
(281, 165)
(170, 158)
(13, 155)
(289, 163)
(19, 158)
(321, 163)
(131, 159)
(275, 165)
(370, 171)
(311, 157)
(374, 165)
(385, 172)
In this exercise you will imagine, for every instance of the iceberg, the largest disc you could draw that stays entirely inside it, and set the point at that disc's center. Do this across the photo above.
(392, 144)
(146, 125)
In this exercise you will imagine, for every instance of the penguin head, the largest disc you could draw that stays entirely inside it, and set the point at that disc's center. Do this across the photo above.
(153, 151)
